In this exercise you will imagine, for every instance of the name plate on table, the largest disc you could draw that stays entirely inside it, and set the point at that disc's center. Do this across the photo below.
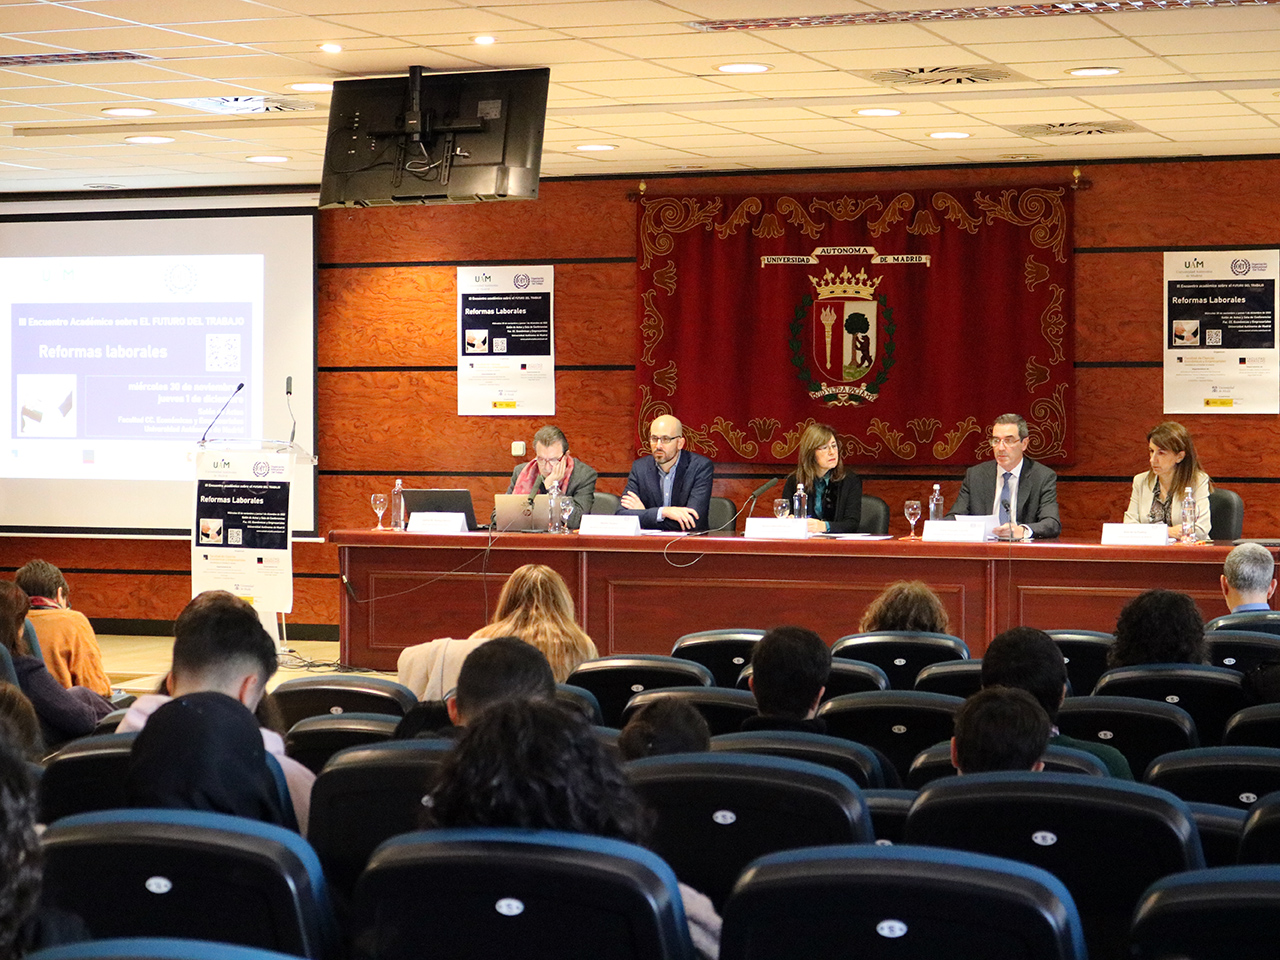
(954, 531)
(603, 525)
(771, 528)
(437, 522)
(1134, 535)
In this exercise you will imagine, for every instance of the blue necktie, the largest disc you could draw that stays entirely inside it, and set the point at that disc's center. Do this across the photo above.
(1004, 498)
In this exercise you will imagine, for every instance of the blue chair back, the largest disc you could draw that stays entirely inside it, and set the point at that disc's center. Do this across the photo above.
(1227, 913)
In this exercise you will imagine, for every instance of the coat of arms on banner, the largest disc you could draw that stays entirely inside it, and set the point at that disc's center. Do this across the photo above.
(845, 332)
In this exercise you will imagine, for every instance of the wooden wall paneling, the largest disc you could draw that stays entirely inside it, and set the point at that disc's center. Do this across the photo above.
(952, 178)
(1119, 307)
(70, 553)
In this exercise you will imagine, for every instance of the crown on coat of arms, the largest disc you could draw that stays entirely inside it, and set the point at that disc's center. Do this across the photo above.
(846, 285)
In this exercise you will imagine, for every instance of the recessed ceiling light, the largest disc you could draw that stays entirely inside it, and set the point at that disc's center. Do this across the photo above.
(311, 87)
(485, 40)
(949, 135)
(129, 112)
(744, 68)
(104, 186)
(148, 139)
(594, 147)
(879, 112)
(1094, 71)
(331, 47)
(1020, 156)
(685, 166)
(267, 159)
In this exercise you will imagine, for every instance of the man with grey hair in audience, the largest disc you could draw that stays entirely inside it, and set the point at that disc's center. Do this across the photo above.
(1248, 578)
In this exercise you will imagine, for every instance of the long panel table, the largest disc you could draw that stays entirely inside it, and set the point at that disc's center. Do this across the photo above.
(638, 594)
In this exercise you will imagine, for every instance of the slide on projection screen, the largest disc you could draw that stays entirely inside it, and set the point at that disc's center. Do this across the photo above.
(123, 337)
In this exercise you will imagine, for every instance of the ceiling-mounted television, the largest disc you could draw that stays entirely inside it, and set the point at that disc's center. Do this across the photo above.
(435, 138)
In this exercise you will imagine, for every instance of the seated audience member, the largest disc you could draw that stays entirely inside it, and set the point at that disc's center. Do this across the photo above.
(1000, 728)
(553, 464)
(536, 765)
(504, 668)
(789, 670)
(1158, 491)
(1159, 626)
(203, 751)
(906, 605)
(1248, 578)
(66, 638)
(19, 724)
(1028, 659)
(662, 727)
(63, 712)
(1021, 493)
(220, 645)
(535, 605)
(834, 491)
(670, 490)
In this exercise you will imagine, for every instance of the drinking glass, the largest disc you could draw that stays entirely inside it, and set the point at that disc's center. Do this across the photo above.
(379, 503)
(781, 507)
(912, 511)
(566, 509)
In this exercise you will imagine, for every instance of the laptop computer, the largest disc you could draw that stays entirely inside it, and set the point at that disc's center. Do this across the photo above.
(520, 513)
(441, 501)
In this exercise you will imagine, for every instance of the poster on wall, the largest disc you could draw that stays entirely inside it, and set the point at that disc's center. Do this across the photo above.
(241, 540)
(506, 341)
(1220, 332)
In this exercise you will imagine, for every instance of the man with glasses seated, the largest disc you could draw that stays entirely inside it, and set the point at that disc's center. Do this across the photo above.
(670, 490)
(1022, 494)
(552, 464)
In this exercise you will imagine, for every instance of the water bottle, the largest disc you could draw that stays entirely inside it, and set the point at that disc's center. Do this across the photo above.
(555, 523)
(936, 506)
(1188, 517)
(800, 502)
(397, 506)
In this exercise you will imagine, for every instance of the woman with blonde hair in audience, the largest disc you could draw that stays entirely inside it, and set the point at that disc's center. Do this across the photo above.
(906, 605)
(535, 605)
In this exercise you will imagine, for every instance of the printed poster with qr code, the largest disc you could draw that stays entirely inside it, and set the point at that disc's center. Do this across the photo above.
(1220, 347)
(506, 341)
(241, 541)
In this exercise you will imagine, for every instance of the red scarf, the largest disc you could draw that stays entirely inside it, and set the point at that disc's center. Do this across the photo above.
(527, 482)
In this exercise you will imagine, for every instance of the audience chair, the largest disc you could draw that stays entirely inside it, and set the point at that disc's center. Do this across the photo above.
(855, 761)
(1210, 694)
(716, 812)
(722, 515)
(154, 948)
(1257, 726)
(901, 654)
(341, 693)
(1241, 649)
(424, 718)
(615, 680)
(1227, 913)
(889, 809)
(606, 504)
(1260, 837)
(33, 641)
(110, 722)
(8, 672)
(847, 676)
(1231, 776)
(898, 723)
(1252, 621)
(1226, 514)
(313, 740)
(724, 708)
(875, 516)
(1140, 729)
(1107, 840)
(580, 699)
(908, 903)
(187, 873)
(86, 775)
(1220, 829)
(935, 763)
(1085, 652)
(724, 652)
(482, 894)
(366, 795)
(956, 678)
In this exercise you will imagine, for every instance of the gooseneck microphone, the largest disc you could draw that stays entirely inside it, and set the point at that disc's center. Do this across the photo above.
(1004, 505)
(220, 412)
(288, 393)
(755, 494)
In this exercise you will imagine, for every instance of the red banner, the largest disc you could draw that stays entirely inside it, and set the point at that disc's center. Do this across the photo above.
(908, 320)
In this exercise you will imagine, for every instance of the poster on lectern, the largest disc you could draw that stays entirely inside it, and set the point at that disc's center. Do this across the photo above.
(1219, 333)
(241, 541)
(506, 342)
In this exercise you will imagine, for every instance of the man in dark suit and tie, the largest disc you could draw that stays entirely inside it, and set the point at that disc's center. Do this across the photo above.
(1022, 494)
(670, 490)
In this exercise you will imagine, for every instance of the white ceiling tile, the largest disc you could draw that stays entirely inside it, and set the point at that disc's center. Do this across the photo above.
(1094, 52)
(639, 89)
(1179, 125)
(1198, 22)
(32, 17)
(458, 20)
(1223, 43)
(877, 36)
(612, 70)
(279, 28)
(1244, 66)
(132, 38)
(311, 48)
(120, 71)
(866, 58)
(1135, 71)
(1023, 29)
(1191, 111)
(599, 12)
(160, 12)
(725, 9)
(379, 62)
(514, 53)
(740, 44)
(625, 30)
(827, 83)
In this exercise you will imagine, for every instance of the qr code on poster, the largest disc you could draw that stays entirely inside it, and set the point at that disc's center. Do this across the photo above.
(235, 537)
(1213, 338)
(221, 352)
